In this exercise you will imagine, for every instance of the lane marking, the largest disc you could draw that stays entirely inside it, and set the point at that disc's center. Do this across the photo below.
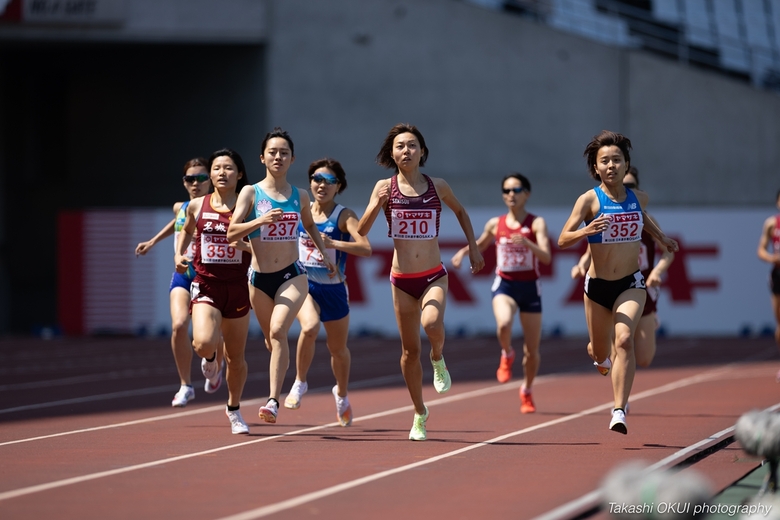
(594, 498)
(365, 383)
(102, 474)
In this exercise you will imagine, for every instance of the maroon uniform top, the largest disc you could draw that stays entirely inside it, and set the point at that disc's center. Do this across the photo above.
(646, 254)
(776, 235)
(413, 218)
(515, 261)
(214, 259)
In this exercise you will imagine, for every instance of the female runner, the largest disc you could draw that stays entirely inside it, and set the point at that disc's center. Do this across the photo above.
(411, 202)
(328, 301)
(196, 182)
(614, 287)
(269, 212)
(769, 251)
(644, 338)
(521, 243)
(219, 293)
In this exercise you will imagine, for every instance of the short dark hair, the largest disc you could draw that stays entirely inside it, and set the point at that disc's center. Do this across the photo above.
(334, 166)
(633, 171)
(195, 161)
(385, 155)
(520, 177)
(236, 158)
(278, 132)
(606, 138)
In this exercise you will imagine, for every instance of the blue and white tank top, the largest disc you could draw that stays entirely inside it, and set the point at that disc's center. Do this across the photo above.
(178, 225)
(310, 256)
(625, 219)
(286, 228)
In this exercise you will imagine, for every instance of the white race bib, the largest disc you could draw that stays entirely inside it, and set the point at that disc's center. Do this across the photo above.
(413, 224)
(310, 256)
(214, 249)
(283, 230)
(513, 257)
(623, 227)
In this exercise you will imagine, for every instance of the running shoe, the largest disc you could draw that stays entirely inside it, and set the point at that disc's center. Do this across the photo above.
(209, 368)
(626, 408)
(504, 372)
(237, 424)
(526, 402)
(293, 399)
(213, 384)
(618, 422)
(268, 412)
(185, 394)
(343, 408)
(604, 367)
(418, 432)
(441, 376)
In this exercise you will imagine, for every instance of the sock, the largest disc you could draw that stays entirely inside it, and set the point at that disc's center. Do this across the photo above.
(525, 390)
(510, 355)
(188, 386)
(616, 409)
(233, 408)
(212, 358)
(274, 400)
(606, 363)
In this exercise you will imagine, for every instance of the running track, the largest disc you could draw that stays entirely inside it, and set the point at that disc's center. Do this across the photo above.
(86, 431)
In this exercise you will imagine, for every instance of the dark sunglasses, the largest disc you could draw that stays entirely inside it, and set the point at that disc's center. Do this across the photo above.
(319, 178)
(507, 191)
(201, 177)
(630, 185)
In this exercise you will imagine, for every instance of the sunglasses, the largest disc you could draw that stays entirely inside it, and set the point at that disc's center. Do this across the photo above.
(319, 178)
(201, 177)
(630, 185)
(507, 191)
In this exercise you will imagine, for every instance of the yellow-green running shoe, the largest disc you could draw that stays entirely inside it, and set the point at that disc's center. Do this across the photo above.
(418, 432)
(441, 376)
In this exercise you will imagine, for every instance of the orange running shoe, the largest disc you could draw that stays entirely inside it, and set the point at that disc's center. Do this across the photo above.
(526, 402)
(504, 372)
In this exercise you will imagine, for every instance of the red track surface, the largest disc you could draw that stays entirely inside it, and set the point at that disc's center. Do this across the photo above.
(483, 459)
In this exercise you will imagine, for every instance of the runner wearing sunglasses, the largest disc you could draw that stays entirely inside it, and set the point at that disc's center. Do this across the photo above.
(269, 213)
(521, 243)
(197, 183)
(328, 299)
(219, 295)
(615, 293)
(412, 203)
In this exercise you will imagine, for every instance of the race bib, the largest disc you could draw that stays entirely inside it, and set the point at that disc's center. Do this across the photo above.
(413, 224)
(310, 256)
(623, 227)
(513, 257)
(190, 252)
(283, 230)
(214, 249)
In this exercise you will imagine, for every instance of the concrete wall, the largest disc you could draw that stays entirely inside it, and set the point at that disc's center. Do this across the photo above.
(493, 92)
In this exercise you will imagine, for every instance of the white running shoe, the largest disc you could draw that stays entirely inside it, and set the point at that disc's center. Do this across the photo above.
(185, 394)
(441, 376)
(343, 408)
(237, 424)
(293, 399)
(213, 384)
(418, 431)
(269, 411)
(209, 368)
(618, 422)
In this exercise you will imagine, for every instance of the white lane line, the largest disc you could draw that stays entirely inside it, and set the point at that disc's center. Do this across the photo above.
(84, 478)
(365, 383)
(592, 499)
(316, 495)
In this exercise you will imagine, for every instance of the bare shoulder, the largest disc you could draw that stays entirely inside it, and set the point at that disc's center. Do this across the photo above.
(177, 207)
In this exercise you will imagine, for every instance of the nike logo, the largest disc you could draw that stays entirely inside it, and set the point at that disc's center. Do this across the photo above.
(432, 278)
(241, 308)
(426, 201)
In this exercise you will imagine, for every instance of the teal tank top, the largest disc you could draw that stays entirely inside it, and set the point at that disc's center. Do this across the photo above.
(286, 228)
